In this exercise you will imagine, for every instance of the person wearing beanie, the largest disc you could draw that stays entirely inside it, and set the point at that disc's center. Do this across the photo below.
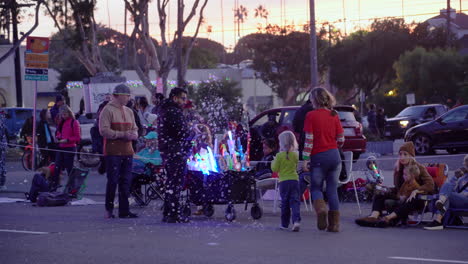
(406, 159)
(118, 128)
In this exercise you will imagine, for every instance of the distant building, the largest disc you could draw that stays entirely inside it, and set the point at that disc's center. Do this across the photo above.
(254, 90)
(45, 89)
(458, 26)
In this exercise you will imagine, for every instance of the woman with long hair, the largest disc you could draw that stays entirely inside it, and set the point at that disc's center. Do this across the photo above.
(405, 160)
(68, 136)
(323, 136)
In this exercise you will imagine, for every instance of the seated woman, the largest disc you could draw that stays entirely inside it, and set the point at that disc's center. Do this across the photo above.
(423, 179)
(453, 194)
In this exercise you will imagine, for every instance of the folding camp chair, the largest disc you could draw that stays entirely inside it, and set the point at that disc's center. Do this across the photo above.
(76, 183)
(439, 173)
(348, 162)
(450, 215)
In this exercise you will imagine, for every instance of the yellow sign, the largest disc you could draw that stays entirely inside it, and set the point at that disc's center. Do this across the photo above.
(35, 57)
(37, 65)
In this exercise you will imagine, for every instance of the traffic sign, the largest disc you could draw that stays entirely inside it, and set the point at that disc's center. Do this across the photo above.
(30, 77)
(37, 71)
(36, 59)
(37, 45)
(37, 65)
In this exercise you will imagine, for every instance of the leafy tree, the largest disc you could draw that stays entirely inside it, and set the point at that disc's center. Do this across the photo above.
(430, 37)
(218, 101)
(205, 53)
(262, 12)
(201, 58)
(62, 58)
(363, 61)
(240, 15)
(282, 57)
(432, 75)
(75, 21)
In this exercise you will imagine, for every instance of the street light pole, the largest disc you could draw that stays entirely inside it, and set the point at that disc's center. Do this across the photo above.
(313, 47)
(18, 83)
(448, 23)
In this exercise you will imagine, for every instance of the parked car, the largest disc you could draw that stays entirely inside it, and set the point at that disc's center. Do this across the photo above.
(411, 116)
(15, 119)
(449, 132)
(355, 141)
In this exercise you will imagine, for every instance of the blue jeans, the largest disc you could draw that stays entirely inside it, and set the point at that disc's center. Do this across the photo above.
(325, 167)
(454, 199)
(289, 192)
(119, 172)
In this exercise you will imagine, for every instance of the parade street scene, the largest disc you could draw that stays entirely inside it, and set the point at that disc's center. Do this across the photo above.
(234, 131)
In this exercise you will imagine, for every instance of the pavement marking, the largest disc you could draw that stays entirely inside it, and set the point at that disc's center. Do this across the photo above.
(212, 244)
(23, 231)
(431, 260)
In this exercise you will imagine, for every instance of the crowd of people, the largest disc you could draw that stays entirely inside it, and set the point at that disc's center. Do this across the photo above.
(164, 133)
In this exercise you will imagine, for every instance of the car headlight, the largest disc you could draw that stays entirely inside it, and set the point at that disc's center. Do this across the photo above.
(404, 123)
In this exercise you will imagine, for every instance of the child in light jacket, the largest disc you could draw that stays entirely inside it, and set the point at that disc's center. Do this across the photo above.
(285, 164)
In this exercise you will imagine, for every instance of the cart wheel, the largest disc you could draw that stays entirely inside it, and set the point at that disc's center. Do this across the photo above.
(256, 211)
(186, 212)
(230, 213)
(208, 210)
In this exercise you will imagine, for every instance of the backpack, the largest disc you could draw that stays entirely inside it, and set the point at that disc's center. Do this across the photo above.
(52, 199)
(39, 184)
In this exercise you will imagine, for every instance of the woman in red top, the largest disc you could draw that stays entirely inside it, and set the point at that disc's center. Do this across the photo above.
(68, 136)
(323, 136)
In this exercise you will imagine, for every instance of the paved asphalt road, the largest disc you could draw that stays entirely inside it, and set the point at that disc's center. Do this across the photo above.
(80, 234)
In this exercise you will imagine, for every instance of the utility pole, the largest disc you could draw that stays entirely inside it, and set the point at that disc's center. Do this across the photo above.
(222, 32)
(313, 47)
(19, 89)
(344, 18)
(448, 23)
(125, 62)
(180, 21)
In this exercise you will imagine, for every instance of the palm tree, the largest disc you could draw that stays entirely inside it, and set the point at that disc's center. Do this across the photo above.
(241, 14)
(262, 12)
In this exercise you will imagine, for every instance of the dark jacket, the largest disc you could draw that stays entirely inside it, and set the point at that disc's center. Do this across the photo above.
(172, 129)
(380, 120)
(298, 123)
(265, 167)
(41, 134)
(372, 119)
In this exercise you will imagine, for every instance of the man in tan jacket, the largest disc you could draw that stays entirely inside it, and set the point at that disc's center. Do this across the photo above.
(118, 128)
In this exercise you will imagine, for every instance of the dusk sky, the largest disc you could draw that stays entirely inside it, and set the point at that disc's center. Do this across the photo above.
(358, 13)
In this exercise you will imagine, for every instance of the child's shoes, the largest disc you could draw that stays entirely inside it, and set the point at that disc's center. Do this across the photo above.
(296, 226)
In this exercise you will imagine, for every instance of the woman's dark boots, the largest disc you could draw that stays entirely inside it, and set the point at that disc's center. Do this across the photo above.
(333, 221)
(321, 210)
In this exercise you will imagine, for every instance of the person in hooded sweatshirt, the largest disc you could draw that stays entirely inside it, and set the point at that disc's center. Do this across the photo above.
(118, 128)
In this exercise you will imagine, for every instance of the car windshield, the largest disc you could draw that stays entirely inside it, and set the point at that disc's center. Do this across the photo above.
(412, 111)
(346, 116)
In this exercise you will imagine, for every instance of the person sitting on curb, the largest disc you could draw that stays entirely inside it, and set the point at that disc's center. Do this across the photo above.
(425, 181)
(453, 194)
